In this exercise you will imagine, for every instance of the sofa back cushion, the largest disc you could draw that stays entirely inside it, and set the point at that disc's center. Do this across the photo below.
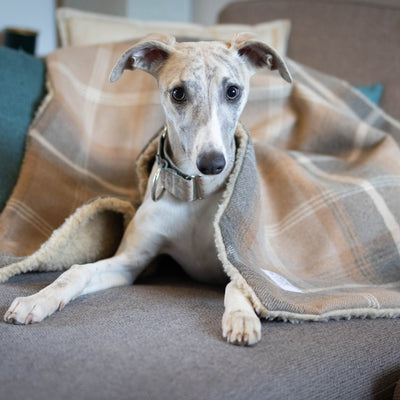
(356, 41)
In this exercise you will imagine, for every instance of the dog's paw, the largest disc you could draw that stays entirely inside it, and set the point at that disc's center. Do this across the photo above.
(241, 327)
(31, 309)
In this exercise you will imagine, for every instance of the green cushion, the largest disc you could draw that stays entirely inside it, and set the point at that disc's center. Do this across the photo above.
(22, 80)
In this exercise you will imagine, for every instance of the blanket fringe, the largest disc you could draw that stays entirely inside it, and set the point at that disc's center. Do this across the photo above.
(336, 315)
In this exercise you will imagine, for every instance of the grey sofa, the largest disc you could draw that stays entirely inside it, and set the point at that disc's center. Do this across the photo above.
(161, 339)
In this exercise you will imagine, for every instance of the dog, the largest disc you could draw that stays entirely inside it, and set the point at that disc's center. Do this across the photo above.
(203, 87)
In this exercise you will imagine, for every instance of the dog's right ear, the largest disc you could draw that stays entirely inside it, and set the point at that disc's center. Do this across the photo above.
(259, 55)
(149, 55)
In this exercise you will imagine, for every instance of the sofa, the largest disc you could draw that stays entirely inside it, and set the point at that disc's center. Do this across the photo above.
(161, 339)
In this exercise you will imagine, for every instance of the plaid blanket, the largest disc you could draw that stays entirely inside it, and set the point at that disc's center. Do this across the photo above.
(308, 225)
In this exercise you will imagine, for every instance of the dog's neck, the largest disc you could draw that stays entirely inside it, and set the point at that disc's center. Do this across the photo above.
(174, 176)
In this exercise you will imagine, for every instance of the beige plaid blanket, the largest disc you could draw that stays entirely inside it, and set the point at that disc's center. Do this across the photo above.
(309, 224)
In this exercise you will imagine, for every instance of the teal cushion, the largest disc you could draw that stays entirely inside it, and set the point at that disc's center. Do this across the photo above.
(22, 80)
(373, 92)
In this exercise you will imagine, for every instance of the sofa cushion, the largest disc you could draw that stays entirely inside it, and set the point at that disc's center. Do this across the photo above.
(79, 28)
(161, 339)
(22, 88)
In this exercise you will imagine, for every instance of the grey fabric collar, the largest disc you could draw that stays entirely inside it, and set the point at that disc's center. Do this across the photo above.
(169, 177)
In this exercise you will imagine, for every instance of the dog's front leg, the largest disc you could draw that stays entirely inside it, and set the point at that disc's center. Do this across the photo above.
(138, 247)
(240, 323)
(76, 281)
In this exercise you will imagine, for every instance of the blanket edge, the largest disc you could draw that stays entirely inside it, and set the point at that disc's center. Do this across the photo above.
(230, 270)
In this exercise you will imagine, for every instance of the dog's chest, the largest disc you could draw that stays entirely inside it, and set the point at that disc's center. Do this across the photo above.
(189, 239)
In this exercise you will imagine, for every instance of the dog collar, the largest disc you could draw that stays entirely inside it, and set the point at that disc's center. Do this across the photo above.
(169, 177)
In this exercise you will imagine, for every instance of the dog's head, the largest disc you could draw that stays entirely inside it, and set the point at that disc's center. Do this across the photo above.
(204, 87)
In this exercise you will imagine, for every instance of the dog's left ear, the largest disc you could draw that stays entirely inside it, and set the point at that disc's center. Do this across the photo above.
(259, 55)
(149, 54)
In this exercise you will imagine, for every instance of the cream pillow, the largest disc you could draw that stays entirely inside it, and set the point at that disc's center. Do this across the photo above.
(79, 28)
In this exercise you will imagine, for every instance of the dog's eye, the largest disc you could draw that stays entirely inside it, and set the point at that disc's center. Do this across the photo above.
(232, 93)
(178, 94)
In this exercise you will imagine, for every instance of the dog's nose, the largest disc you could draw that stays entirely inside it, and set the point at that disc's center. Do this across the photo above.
(211, 163)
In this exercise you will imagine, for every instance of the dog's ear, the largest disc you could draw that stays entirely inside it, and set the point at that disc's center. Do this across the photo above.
(149, 55)
(259, 55)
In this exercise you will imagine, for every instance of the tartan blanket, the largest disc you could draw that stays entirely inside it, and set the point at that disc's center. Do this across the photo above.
(308, 225)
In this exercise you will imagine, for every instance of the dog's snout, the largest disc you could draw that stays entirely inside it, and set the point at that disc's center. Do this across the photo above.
(211, 163)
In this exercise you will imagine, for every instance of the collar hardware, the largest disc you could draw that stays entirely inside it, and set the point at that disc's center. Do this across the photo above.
(171, 178)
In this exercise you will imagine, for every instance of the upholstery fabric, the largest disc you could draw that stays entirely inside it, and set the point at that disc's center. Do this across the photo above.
(161, 339)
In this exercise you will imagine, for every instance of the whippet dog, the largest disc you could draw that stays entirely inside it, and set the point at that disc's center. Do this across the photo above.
(203, 87)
